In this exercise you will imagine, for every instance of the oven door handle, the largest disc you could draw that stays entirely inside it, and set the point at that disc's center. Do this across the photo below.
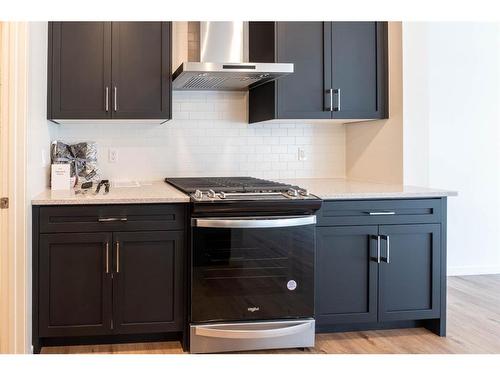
(255, 222)
(252, 334)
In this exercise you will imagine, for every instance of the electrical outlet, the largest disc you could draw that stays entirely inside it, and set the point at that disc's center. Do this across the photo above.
(112, 155)
(301, 154)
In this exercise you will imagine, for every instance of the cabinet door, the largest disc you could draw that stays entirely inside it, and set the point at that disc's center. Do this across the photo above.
(147, 287)
(359, 69)
(75, 284)
(303, 94)
(409, 278)
(79, 82)
(346, 274)
(141, 70)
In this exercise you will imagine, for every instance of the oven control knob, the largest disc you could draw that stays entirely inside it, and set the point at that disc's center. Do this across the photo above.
(292, 192)
(211, 194)
(304, 192)
(198, 195)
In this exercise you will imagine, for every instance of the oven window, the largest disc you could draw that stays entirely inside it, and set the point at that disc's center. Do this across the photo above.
(258, 273)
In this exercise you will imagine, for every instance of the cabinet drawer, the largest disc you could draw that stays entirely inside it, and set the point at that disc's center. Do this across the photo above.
(391, 211)
(108, 218)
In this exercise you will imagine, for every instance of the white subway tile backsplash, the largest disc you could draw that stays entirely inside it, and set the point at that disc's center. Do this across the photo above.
(271, 140)
(287, 140)
(279, 132)
(210, 135)
(281, 149)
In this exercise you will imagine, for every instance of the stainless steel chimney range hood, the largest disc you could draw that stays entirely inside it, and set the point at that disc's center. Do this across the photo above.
(223, 48)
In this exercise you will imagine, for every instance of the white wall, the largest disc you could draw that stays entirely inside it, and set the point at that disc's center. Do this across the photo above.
(40, 131)
(451, 116)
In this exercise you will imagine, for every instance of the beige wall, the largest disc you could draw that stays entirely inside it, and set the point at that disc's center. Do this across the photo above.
(374, 149)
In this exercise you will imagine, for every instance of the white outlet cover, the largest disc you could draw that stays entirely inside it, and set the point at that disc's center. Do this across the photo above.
(112, 155)
(301, 154)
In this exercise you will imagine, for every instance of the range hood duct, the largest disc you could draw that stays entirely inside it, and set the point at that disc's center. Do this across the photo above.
(223, 52)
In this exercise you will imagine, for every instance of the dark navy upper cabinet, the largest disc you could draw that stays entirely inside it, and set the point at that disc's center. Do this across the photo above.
(359, 70)
(109, 70)
(141, 70)
(340, 70)
(301, 94)
(79, 70)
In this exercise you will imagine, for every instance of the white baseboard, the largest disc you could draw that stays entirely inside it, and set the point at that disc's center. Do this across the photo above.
(473, 270)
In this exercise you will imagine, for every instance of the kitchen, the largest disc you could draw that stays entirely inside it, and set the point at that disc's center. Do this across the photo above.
(224, 213)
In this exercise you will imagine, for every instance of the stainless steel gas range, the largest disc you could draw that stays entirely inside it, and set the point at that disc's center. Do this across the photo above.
(252, 264)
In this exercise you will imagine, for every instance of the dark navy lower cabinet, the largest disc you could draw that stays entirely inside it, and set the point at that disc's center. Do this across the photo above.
(347, 277)
(409, 277)
(383, 275)
(74, 289)
(147, 296)
(99, 277)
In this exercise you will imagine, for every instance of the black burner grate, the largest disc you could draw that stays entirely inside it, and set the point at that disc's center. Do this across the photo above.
(226, 184)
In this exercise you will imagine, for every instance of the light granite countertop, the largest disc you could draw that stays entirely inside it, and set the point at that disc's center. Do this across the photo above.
(340, 188)
(160, 192)
(147, 192)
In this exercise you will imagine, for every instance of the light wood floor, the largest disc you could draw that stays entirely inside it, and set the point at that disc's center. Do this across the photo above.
(473, 327)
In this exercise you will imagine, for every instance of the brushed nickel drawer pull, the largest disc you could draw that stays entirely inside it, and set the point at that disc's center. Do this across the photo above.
(110, 219)
(379, 213)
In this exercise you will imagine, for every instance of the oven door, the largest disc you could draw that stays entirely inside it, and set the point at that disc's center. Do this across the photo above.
(252, 268)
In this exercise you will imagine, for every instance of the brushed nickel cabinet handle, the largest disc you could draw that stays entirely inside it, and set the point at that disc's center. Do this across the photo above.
(388, 249)
(116, 98)
(117, 257)
(331, 100)
(106, 101)
(107, 257)
(388, 244)
(377, 258)
(337, 108)
(378, 249)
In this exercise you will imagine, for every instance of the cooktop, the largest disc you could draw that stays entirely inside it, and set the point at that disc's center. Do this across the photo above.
(226, 184)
